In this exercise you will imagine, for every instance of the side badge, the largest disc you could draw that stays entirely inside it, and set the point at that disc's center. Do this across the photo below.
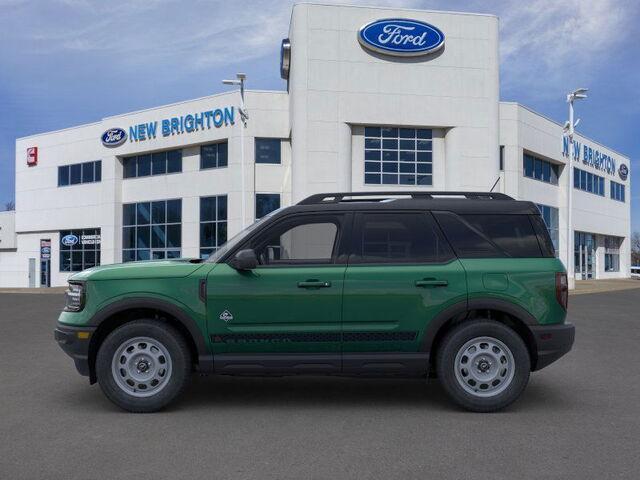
(226, 316)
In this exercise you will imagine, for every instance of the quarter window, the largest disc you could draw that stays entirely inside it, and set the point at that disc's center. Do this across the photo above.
(151, 230)
(79, 249)
(398, 156)
(213, 224)
(268, 150)
(214, 155)
(539, 169)
(88, 172)
(159, 163)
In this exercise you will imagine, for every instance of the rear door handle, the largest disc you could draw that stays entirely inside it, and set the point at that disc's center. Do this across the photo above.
(314, 284)
(431, 282)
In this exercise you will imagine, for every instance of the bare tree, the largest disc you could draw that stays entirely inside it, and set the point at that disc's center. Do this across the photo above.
(635, 248)
(11, 205)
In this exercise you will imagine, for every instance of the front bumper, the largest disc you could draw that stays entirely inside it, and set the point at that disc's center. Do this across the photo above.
(552, 342)
(75, 343)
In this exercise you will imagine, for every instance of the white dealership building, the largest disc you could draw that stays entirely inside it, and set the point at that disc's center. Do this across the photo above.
(376, 99)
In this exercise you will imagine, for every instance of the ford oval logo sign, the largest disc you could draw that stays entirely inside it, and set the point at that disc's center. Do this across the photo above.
(401, 37)
(114, 137)
(623, 171)
(69, 240)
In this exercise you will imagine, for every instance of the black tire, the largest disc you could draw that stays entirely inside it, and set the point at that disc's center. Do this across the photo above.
(456, 339)
(180, 361)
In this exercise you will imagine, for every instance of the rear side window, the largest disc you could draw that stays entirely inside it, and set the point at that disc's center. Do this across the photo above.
(490, 236)
(398, 238)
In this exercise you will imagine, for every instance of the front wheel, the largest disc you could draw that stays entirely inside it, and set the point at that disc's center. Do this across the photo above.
(143, 365)
(483, 365)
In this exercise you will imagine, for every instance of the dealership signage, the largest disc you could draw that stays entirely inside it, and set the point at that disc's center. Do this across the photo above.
(401, 37)
(32, 156)
(166, 127)
(71, 240)
(589, 156)
(623, 171)
(45, 249)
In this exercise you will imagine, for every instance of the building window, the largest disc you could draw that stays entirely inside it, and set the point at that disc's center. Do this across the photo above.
(588, 182)
(88, 172)
(539, 169)
(268, 150)
(266, 203)
(397, 156)
(79, 249)
(501, 160)
(550, 217)
(159, 163)
(611, 254)
(213, 224)
(151, 230)
(617, 191)
(213, 155)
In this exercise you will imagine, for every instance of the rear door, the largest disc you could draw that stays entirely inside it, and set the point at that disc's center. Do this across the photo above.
(401, 274)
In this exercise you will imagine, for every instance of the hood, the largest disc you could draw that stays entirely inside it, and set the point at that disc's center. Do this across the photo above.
(140, 270)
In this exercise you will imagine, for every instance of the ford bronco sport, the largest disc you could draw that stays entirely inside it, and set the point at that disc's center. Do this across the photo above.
(463, 286)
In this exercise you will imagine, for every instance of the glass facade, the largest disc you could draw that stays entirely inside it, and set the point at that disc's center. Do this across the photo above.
(214, 155)
(617, 191)
(266, 203)
(87, 172)
(151, 230)
(79, 249)
(588, 182)
(213, 224)
(612, 254)
(550, 217)
(398, 156)
(539, 169)
(159, 163)
(268, 150)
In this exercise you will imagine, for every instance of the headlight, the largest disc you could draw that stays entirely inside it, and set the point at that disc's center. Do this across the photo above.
(74, 297)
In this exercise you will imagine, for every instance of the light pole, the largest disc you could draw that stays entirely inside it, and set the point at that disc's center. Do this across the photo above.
(244, 116)
(577, 94)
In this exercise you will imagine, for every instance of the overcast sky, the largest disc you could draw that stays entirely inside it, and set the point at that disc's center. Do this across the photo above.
(68, 62)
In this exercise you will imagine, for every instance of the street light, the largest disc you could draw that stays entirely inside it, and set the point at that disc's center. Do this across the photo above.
(577, 94)
(244, 116)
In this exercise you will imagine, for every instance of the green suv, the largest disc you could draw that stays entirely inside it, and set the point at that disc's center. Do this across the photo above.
(463, 286)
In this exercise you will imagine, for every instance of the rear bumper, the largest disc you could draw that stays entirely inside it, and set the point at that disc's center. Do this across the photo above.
(552, 342)
(74, 345)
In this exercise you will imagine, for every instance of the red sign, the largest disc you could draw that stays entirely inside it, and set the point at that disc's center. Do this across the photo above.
(32, 156)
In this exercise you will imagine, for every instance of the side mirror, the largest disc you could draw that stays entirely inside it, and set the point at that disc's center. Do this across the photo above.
(244, 260)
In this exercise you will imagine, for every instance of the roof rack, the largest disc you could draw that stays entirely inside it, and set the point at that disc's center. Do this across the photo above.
(340, 197)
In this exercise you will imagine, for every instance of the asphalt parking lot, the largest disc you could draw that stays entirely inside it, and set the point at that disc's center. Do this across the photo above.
(579, 418)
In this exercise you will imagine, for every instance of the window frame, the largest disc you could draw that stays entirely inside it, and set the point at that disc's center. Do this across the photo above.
(79, 248)
(217, 145)
(96, 169)
(582, 179)
(538, 164)
(151, 155)
(217, 223)
(262, 194)
(270, 139)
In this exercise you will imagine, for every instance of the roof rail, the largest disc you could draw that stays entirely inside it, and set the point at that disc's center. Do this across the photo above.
(320, 198)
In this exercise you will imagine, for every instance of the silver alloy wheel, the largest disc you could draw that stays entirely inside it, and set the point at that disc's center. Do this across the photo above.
(484, 366)
(141, 366)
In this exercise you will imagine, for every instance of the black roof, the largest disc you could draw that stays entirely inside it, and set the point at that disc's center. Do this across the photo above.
(457, 202)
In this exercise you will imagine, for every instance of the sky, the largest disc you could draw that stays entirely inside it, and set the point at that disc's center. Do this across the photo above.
(68, 62)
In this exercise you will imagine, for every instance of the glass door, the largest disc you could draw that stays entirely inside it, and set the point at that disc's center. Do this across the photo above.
(584, 251)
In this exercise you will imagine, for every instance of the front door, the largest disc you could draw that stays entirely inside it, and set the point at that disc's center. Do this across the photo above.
(401, 274)
(292, 302)
(584, 255)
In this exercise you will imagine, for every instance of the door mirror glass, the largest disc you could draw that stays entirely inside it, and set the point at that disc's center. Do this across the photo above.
(244, 260)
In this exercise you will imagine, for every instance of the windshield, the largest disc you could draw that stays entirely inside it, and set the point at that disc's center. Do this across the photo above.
(238, 238)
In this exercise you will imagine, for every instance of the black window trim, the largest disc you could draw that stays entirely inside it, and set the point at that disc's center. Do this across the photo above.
(217, 142)
(338, 256)
(255, 153)
(81, 182)
(151, 175)
(354, 259)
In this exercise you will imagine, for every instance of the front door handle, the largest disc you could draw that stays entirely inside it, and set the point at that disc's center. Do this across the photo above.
(431, 282)
(314, 284)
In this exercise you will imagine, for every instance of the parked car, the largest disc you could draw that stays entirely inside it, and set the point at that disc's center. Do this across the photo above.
(635, 271)
(462, 286)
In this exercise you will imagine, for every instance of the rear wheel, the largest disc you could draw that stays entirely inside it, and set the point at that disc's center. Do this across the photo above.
(143, 365)
(483, 365)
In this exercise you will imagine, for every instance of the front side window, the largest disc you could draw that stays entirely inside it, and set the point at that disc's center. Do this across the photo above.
(301, 241)
(213, 224)
(87, 172)
(268, 150)
(539, 169)
(79, 249)
(151, 230)
(398, 156)
(214, 155)
(159, 163)
(398, 238)
(266, 203)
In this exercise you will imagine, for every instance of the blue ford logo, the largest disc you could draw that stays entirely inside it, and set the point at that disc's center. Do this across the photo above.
(69, 240)
(401, 37)
(114, 137)
(623, 171)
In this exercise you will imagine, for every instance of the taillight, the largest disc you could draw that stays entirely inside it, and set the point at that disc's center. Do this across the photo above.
(562, 289)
